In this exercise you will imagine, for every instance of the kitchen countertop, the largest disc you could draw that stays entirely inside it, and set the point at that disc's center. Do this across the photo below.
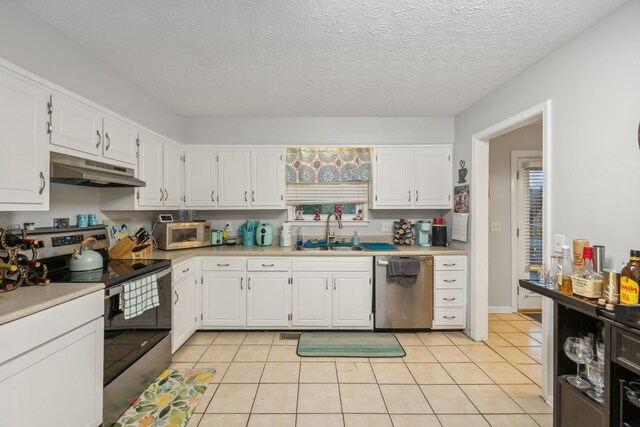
(28, 300)
(180, 255)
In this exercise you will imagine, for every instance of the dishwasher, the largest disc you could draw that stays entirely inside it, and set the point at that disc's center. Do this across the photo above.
(404, 306)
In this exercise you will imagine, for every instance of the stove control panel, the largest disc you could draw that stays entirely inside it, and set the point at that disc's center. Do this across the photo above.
(67, 240)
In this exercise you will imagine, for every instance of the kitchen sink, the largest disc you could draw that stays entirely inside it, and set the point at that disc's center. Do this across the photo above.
(346, 248)
(328, 248)
(310, 248)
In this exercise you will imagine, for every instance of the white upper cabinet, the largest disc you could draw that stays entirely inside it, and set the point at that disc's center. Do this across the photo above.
(410, 177)
(172, 168)
(24, 142)
(201, 178)
(149, 170)
(234, 178)
(76, 125)
(433, 177)
(120, 140)
(267, 178)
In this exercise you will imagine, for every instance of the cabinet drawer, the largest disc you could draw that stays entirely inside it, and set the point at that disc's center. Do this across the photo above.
(448, 316)
(626, 349)
(224, 264)
(449, 298)
(450, 262)
(182, 270)
(330, 263)
(449, 279)
(268, 264)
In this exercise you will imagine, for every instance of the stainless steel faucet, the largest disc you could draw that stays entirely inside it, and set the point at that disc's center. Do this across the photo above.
(328, 235)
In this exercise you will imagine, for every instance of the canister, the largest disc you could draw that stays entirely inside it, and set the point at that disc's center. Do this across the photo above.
(611, 286)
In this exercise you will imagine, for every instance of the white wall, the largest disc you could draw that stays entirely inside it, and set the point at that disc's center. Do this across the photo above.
(320, 130)
(525, 138)
(31, 43)
(593, 83)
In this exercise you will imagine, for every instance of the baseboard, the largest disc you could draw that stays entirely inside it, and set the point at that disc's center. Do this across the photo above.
(501, 309)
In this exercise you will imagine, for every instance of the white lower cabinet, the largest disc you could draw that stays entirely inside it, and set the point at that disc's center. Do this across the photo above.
(268, 299)
(311, 299)
(450, 292)
(54, 370)
(185, 310)
(224, 299)
(352, 299)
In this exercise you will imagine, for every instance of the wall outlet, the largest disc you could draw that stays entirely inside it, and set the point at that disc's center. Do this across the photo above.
(228, 226)
(558, 242)
(386, 226)
(496, 226)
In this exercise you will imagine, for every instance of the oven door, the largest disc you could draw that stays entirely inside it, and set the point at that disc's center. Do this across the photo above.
(127, 340)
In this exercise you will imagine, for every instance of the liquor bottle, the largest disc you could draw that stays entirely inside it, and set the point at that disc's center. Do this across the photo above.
(8, 267)
(13, 240)
(586, 281)
(564, 271)
(630, 280)
(34, 279)
(23, 260)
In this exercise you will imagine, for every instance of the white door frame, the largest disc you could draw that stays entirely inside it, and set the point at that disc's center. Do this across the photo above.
(515, 156)
(479, 291)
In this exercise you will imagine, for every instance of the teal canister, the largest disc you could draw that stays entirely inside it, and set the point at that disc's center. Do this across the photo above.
(82, 220)
(92, 219)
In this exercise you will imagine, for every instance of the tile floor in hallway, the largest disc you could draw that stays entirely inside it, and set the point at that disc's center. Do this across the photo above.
(445, 380)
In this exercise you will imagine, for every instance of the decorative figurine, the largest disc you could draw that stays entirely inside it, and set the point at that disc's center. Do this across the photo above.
(317, 215)
(339, 211)
(358, 216)
(462, 173)
(299, 213)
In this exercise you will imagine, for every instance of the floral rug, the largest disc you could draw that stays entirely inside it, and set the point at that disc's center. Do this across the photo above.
(169, 401)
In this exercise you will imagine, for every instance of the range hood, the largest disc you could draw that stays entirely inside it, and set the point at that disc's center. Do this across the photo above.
(66, 169)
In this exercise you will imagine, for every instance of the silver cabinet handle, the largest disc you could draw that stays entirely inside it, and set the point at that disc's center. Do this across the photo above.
(43, 182)
(450, 265)
(166, 195)
(161, 195)
(268, 265)
(416, 195)
(49, 128)
(326, 284)
(177, 297)
(449, 317)
(223, 265)
(449, 280)
(241, 280)
(186, 269)
(449, 299)
(409, 195)
(106, 135)
(253, 195)
(334, 284)
(212, 199)
(99, 139)
(245, 195)
(249, 283)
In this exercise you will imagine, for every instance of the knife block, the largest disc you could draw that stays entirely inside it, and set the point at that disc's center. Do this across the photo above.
(127, 248)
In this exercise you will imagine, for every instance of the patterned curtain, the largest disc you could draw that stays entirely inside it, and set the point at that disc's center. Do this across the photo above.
(320, 165)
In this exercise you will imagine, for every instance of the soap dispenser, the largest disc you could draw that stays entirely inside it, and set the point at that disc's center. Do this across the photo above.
(355, 240)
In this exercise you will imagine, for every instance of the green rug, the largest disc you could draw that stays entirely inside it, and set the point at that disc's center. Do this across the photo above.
(169, 401)
(349, 344)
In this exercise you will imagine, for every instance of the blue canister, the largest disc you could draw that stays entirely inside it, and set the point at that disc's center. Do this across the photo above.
(82, 220)
(248, 238)
(93, 220)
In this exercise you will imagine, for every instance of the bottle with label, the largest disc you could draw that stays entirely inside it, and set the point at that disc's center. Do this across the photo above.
(355, 240)
(630, 280)
(565, 269)
(586, 282)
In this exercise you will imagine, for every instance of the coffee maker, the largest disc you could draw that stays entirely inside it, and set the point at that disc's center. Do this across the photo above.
(423, 233)
(439, 236)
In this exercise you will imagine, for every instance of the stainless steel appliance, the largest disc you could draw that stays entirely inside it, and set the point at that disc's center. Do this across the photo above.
(181, 235)
(404, 306)
(66, 169)
(136, 350)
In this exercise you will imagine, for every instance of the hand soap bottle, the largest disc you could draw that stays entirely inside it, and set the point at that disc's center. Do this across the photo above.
(355, 240)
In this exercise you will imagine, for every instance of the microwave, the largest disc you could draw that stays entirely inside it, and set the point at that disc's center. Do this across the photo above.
(182, 235)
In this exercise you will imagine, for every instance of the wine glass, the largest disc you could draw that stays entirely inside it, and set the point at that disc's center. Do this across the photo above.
(575, 349)
(595, 372)
(588, 350)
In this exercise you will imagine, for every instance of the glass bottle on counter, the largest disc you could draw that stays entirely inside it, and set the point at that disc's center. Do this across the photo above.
(587, 283)
(565, 270)
(630, 280)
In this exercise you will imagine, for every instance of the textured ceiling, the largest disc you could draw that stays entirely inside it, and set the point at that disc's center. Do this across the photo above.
(320, 57)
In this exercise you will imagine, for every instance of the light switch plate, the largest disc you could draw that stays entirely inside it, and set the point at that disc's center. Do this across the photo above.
(558, 242)
(496, 226)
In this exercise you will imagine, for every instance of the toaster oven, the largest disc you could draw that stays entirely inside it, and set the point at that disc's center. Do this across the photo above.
(182, 235)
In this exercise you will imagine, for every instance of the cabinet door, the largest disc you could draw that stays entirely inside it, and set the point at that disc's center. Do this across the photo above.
(119, 140)
(172, 163)
(201, 179)
(311, 299)
(76, 126)
(150, 171)
(393, 178)
(268, 299)
(233, 178)
(185, 312)
(267, 178)
(433, 177)
(352, 303)
(224, 299)
(24, 142)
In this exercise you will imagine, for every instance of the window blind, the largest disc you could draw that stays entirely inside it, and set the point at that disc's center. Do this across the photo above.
(533, 214)
(352, 192)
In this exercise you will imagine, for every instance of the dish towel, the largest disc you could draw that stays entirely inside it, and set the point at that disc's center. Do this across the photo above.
(139, 296)
(403, 270)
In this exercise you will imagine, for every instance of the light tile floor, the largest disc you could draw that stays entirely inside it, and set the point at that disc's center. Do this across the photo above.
(445, 380)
